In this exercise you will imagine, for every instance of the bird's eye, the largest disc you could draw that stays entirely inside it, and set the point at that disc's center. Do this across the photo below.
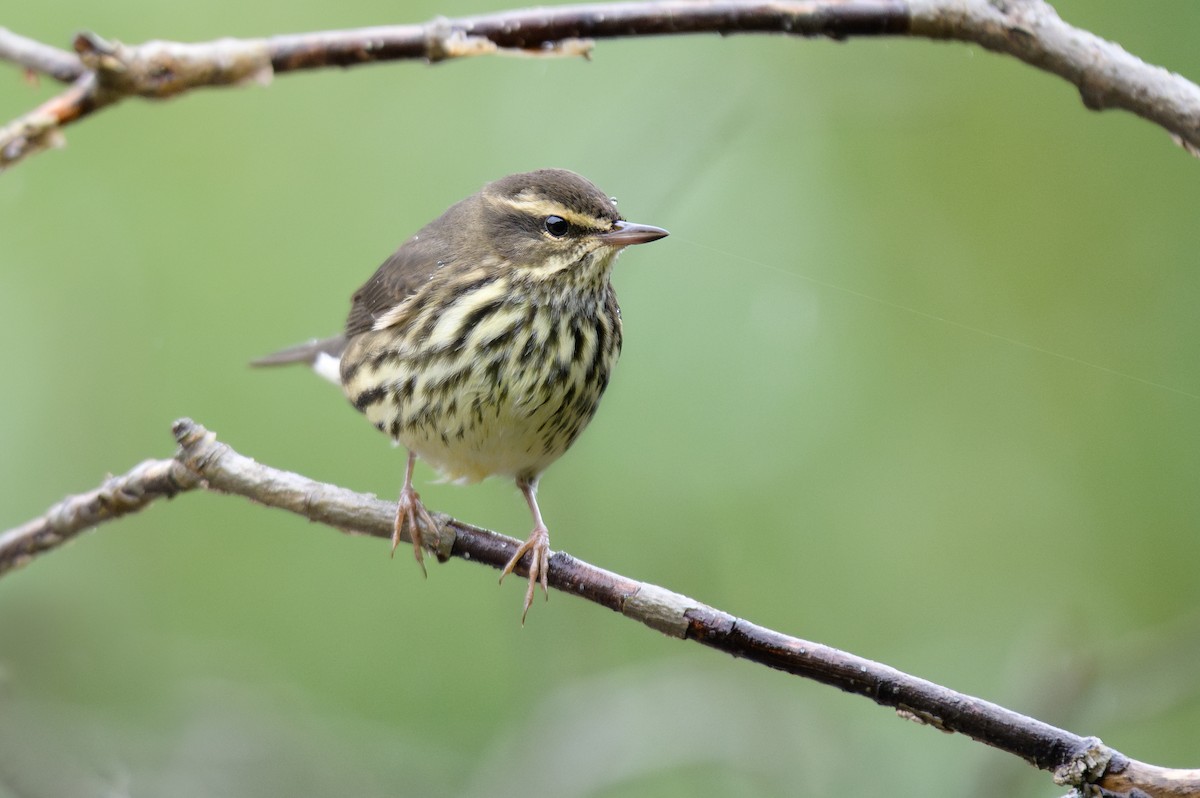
(556, 226)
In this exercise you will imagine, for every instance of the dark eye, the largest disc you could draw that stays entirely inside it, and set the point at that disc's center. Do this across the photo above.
(556, 226)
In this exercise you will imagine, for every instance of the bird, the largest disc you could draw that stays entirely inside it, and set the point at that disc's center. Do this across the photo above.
(484, 343)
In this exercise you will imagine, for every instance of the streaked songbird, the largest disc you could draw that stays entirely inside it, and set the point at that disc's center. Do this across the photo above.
(484, 343)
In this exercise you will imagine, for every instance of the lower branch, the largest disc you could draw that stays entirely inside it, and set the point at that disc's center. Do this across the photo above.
(203, 462)
(118, 496)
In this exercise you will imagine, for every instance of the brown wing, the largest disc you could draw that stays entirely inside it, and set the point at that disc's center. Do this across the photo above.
(398, 278)
(438, 244)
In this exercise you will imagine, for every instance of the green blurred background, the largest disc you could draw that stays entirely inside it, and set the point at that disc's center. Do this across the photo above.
(915, 375)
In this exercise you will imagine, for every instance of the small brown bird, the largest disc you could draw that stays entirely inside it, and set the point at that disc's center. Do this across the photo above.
(484, 343)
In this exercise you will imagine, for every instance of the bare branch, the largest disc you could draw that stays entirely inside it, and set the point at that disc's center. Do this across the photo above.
(203, 462)
(1030, 30)
(118, 496)
(1106, 75)
(38, 57)
(1138, 778)
(41, 128)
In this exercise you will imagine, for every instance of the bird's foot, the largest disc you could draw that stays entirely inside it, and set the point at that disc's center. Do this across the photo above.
(411, 513)
(538, 548)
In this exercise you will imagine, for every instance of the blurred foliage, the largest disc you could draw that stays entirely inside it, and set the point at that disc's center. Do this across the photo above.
(916, 375)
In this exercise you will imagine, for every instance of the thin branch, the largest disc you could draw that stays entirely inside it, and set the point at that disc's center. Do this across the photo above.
(118, 496)
(1030, 30)
(38, 57)
(203, 462)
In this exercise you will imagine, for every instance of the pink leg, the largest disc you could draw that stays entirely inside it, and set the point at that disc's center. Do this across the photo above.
(410, 512)
(538, 547)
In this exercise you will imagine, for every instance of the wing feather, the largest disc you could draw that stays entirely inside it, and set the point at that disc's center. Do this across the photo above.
(410, 268)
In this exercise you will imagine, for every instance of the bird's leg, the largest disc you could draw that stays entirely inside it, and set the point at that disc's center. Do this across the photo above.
(410, 511)
(538, 547)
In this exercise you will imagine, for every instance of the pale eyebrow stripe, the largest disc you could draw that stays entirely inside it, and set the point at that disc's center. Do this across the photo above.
(545, 207)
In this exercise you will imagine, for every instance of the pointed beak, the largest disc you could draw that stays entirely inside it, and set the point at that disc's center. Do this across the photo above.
(625, 233)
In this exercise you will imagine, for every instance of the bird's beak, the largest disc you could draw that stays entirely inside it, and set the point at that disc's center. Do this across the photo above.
(625, 233)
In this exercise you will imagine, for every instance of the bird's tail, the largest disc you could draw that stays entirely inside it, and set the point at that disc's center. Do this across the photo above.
(324, 355)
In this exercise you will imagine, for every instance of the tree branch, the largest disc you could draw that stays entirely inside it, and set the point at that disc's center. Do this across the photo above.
(38, 57)
(203, 462)
(1030, 30)
(118, 496)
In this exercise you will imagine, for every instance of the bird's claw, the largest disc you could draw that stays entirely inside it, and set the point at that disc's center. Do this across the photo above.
(538, 548)
(411, 512)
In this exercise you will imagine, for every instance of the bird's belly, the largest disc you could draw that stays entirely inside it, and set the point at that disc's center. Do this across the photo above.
(470, 421)
(466, 451)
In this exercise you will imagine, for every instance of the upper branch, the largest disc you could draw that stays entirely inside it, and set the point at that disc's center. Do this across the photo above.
(204, 462)
(38, 57)
(1105, 75)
